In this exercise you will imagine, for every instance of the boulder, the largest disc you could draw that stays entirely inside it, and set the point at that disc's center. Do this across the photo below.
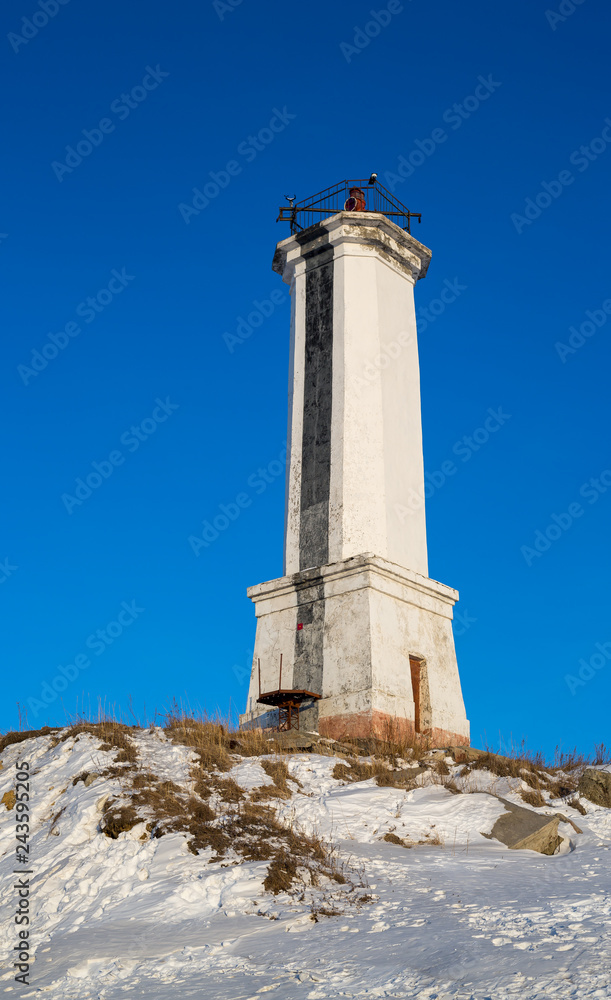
(436, 755)
(405, 778)
(294, 740)
(595, 785)
(465, 755)
(87, 777)
(522, 829)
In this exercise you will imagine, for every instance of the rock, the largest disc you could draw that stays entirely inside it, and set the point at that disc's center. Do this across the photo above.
(522, 829)
(87, 777)
(595, 785)
(348, 751)
(465, 755)
(294, 740)
(401, 779)
(8, 799)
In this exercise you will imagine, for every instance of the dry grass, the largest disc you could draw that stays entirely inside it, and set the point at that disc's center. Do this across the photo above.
(216, 815)
(279, 772)
(430, 840)
(206, 738)
(393, 747)
(118, 818)
(562, 786)
(557, 780)
(452, 787)
(576, 804)
(385, 775)
(391, 838)
(357, 770)
(11, 738)
(532, 798)
(214, 741)
(602, 755)
(114, 736)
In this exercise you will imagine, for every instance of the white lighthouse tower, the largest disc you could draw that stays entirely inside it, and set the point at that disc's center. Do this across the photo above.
(356, 617)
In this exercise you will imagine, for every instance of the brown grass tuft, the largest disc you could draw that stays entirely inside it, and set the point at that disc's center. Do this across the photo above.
(114, 736)
(9, 739)
(206, 738)
(281, 873)
(278, 770)
(602, 755)
(118, 818)
(391, 838)
(576, 804)
(562, 786)
(357, 770)
(452, 787)
(532, 798)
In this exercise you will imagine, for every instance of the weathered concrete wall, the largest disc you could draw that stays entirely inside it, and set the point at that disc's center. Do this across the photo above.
(371, 616)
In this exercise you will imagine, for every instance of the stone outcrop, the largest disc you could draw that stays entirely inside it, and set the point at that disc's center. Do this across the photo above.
(595, 785)
(523, 829)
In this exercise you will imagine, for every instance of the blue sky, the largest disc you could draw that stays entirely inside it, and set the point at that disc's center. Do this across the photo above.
(153, 100)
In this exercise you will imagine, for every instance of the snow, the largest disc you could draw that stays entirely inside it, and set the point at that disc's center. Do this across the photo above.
(146, 918)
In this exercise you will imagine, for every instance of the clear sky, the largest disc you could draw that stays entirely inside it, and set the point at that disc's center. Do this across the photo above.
(118, 304)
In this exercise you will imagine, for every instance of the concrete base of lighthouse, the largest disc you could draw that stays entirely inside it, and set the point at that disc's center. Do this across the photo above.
(348, 632)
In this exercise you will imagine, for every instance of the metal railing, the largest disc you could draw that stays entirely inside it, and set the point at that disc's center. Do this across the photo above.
(349, 195)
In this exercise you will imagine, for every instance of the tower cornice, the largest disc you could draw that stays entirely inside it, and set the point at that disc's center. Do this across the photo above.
(365, 229)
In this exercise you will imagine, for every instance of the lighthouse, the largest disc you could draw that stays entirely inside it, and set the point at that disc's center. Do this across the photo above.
(363, 631)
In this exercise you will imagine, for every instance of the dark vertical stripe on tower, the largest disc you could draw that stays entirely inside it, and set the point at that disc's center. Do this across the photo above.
(316, 443)
(308, 664)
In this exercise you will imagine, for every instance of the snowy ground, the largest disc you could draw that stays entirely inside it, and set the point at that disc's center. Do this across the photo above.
(146, 918)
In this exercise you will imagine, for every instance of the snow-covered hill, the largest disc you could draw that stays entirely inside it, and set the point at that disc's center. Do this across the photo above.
(137, 914)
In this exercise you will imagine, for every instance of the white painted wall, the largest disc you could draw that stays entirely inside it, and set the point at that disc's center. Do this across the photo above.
(376, 436)
(296, 279)
(379, 605)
